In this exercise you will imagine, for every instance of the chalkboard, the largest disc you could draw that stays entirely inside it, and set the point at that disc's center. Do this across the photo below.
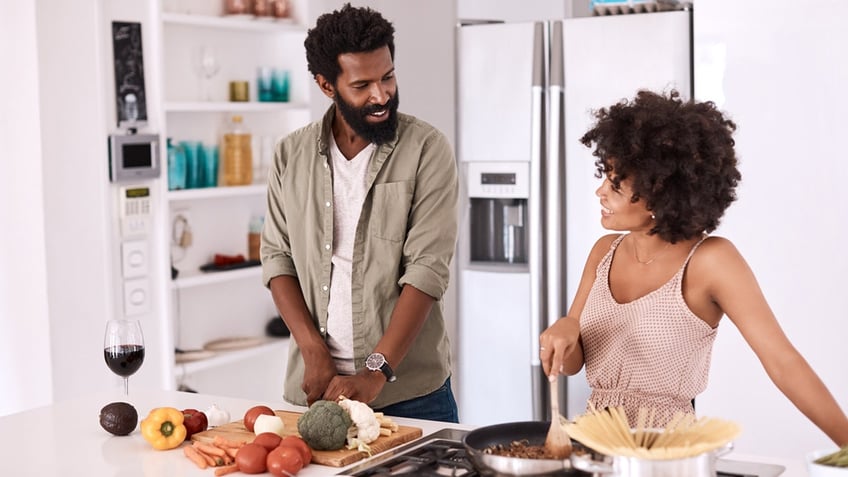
(130, 98)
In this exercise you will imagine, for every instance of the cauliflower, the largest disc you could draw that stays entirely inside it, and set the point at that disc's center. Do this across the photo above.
(366, 427)
(324, 426)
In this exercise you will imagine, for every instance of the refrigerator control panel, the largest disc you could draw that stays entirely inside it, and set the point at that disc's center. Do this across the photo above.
(510, 180)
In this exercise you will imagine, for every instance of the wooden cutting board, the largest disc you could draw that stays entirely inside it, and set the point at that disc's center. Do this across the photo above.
(235, 431)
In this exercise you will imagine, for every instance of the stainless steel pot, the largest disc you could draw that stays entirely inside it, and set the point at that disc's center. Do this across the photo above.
(702, 465)
(477, 440)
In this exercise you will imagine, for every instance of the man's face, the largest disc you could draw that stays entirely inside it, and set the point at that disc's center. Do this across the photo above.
(367, 94)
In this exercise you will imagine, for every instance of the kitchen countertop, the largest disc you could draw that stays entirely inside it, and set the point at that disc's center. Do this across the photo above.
(66, 439)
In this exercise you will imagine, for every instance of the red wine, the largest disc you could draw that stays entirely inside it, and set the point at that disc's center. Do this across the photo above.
(124, 360)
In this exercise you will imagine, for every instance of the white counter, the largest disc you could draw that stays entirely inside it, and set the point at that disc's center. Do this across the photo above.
(66, 439)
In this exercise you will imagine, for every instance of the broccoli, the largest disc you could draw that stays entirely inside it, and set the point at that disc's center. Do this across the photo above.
(324, 425)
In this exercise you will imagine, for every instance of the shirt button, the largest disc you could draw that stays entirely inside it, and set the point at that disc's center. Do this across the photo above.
(325, 165)
(327, 246)
(324, 287)
(323, 330)
(326, 204)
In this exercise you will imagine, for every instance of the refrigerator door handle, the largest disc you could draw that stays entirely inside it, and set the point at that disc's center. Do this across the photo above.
(536, 218)
(555, 237)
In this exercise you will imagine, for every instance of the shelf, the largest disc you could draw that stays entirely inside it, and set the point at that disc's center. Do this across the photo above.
(217, 192)
(199, 279)
(235, 22)
(227, 357)
(231, 107)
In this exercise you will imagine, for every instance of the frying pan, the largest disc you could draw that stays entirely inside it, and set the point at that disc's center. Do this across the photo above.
(534, 432)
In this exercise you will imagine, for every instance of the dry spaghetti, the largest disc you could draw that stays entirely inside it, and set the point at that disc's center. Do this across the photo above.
(608, 432)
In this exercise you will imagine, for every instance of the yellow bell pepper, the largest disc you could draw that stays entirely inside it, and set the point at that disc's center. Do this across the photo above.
(163, 428)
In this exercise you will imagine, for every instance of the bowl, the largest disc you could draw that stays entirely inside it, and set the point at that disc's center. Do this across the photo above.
(819, 470)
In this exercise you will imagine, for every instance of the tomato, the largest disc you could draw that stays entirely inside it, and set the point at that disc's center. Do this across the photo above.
(254, 412)
(268, 440)
(194, 421)
(300, 445)
(284, 461)
(251, 458)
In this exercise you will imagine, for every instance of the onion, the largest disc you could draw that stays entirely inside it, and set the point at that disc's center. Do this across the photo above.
(266, 423)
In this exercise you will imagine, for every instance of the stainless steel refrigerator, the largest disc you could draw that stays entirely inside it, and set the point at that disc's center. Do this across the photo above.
(525, 96)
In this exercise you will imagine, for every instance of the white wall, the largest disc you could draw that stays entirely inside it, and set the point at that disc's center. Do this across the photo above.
(24, 327)
(527, 10)
(780, 71)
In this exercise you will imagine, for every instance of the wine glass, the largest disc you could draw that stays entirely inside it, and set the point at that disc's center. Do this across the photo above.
(123, 348)
(207, 66)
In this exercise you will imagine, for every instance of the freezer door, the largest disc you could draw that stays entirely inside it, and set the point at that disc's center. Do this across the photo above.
(608, 59)
(495, 77)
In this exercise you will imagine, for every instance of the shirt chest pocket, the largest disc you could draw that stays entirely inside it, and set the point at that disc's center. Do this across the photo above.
(390, 210)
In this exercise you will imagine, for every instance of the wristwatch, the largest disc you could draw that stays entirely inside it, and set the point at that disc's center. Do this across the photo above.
(377, 362)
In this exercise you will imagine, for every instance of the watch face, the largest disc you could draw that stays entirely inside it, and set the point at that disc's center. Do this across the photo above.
(374, 361)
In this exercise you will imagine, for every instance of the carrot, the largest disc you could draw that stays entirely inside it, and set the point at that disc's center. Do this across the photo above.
(195, 457)
(223, 442)
(227, 469)
(211, 450)
(231, 451)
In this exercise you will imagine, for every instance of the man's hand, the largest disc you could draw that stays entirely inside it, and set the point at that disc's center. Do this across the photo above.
(319, 370)
(363, 386)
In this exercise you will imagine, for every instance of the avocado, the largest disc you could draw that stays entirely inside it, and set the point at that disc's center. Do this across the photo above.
(118, 418)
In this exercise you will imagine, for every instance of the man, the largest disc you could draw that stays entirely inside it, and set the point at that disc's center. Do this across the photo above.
(360, 232)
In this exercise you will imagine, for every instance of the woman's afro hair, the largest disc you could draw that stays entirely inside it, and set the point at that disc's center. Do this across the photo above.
(679, 154)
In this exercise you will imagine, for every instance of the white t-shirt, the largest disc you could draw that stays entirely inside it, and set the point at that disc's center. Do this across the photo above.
(349, 189)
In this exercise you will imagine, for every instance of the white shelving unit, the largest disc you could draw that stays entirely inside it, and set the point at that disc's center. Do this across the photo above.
(209, 306)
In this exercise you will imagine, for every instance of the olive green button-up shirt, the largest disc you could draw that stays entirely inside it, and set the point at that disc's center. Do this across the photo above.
(406, 234)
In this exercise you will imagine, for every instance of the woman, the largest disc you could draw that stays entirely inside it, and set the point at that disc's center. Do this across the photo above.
(645, 314)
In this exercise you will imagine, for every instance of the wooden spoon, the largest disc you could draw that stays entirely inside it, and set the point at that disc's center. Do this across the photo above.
(558, 444)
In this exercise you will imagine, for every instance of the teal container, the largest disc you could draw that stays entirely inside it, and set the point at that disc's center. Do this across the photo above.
(208, 159)
(176, 167)
(280, 85)
(193, 178)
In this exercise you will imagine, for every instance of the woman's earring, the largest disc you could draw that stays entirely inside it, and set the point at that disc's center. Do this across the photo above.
(653, 216)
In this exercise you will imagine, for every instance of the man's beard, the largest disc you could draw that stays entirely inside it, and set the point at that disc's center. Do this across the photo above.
(378, 133)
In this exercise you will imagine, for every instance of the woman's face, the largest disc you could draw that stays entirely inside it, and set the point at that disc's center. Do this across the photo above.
(618, 212)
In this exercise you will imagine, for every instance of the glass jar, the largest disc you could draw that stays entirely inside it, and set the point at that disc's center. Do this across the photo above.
(236, 155)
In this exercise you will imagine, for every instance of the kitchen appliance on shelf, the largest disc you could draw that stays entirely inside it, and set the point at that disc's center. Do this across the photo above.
(530, 217)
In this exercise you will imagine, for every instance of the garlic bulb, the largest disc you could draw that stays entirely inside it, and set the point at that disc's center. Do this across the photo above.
(217, 416)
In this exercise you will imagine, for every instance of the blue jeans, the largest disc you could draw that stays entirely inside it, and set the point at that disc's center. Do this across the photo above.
(439, 405)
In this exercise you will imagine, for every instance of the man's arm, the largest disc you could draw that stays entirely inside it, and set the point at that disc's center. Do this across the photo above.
(319, 366)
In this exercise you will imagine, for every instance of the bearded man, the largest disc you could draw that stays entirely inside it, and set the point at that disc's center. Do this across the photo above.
(360, 232)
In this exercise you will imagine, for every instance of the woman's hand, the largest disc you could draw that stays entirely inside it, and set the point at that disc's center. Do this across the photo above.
(557, 347)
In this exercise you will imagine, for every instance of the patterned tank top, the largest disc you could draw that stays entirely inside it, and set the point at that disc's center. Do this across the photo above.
(652, 352)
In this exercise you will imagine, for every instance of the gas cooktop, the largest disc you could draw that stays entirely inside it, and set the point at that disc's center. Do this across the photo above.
(443, 454)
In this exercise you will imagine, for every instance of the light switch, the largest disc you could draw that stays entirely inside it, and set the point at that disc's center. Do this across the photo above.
(134, 258)
(136, 296)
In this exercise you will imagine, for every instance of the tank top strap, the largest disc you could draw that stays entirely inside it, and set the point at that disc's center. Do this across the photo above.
(602, 270)
(678, 277)
(694, 247)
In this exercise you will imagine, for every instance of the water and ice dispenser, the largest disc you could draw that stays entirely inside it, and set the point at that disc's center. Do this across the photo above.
(498, 193)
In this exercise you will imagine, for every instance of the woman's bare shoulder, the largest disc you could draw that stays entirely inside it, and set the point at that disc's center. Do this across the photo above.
(604, 243)
(718, 254)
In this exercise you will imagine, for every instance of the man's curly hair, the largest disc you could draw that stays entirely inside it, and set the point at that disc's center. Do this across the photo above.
(349, 30)
(679, 154)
